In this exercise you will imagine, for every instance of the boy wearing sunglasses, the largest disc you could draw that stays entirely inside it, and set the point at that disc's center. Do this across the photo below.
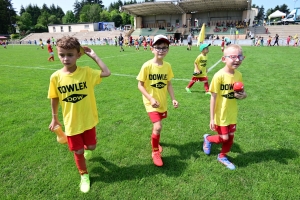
(223, 104)
(154, 81)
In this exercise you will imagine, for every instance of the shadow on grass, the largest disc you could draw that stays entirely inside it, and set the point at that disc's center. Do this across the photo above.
(187, 150)
(279, 155)
(216, 148)
(109, 172)
(173, 165)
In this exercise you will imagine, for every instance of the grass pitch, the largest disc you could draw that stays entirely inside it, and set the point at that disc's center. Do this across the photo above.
(265, 151)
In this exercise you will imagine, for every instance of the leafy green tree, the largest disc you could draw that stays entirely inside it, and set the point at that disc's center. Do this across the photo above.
(25, 22)
(45, 8)
(57, 11)
(14, 36)
(83, 18)
(69, 17)
(22, 10)
(260, 14)
(34, 11)
(98, 2)
(105, 16)
(115, 6)
(44, 18)
(39, 28)
(130, 2)
(95, 13)
(54, 20)
(125, 18)
(77, 8)
(7, 17)
(116, 17)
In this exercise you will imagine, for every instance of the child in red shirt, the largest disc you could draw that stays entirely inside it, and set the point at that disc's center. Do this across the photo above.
(145, 45)
(50, 50)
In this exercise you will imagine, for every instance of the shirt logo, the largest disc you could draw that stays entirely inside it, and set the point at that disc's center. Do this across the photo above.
(229, 95)
(159, 85)
(74, 98)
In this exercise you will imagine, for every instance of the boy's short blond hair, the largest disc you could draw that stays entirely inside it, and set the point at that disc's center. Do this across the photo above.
(233, 46)
(68, 42)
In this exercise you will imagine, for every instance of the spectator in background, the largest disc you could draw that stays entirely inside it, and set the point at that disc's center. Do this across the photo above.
(189, 41)
(276, 40)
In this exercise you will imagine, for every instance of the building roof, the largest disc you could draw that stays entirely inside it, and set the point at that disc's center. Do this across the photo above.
(184, 6)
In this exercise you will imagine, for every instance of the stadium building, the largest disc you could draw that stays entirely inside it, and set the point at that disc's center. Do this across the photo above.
(182, 16)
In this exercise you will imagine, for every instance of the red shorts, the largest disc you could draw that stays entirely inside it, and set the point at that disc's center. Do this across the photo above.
(224, 130)
(77, 142)
(201, 79)
(157, 116)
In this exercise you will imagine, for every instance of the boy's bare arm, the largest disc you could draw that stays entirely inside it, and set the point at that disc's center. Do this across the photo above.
(197, 70)
(171, 92)
(54, 108)
(143, 90)
(90, 52)
(212, 110)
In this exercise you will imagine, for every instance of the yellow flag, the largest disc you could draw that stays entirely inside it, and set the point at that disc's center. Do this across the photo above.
(201, 36)
(296, 36)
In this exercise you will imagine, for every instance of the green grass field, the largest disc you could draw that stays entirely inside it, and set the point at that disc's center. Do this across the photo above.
(265, 151)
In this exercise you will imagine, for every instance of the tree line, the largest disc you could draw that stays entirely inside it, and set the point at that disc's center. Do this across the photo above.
(35, 19)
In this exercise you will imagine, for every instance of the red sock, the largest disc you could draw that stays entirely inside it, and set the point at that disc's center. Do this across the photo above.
(155, 141)
(191, 84)
(206, 86)
(226, 146)
(215, 139)
(80, 163)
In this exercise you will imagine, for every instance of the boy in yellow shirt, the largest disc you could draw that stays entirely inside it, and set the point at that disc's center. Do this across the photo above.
(200, 70)
(73, 88)
(154, 81)
(223, 104)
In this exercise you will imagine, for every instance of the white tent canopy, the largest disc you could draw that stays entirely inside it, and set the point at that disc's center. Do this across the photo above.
(275, 14)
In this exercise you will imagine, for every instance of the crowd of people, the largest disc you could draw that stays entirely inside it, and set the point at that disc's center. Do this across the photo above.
(274, 41)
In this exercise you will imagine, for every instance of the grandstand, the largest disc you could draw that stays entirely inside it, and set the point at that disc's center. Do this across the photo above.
(82, 36)
(222, 18)
(282, 30)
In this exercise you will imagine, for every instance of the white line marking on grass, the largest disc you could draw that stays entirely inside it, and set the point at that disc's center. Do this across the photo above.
(28, 67)
(115, 74)
(209, 69)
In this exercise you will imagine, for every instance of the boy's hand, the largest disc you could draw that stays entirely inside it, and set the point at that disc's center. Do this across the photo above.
(212, 125)
(53, 124)
(240, 95)
(197, 72)
(88, 51)
(154, 103)
(175, 103)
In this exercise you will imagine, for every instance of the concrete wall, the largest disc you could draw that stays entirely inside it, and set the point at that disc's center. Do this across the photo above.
(65, 28)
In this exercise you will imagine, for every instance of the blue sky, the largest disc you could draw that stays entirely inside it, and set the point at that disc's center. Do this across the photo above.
(66, 5)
